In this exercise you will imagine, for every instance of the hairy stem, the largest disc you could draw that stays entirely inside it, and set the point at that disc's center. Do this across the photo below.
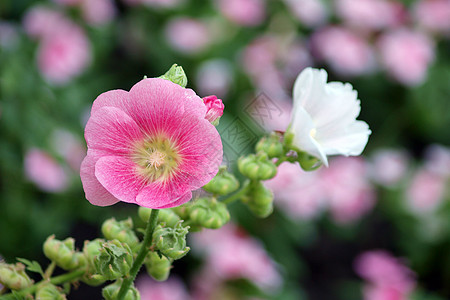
(151, 225)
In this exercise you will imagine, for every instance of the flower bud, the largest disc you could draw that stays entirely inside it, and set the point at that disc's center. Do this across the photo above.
(48, 291)
(260, 200)
(183, 210)
(158, 266)
(271, 145)
(114, 260)
(91, 249)
(14, 276)
(223, 183)
(171, 241)
(308, 162)
(110, 292)
(166, 216)
(120, 230)
(257, 167)
(214, 108)
(176, 75)
(63, 253)
(209, 213)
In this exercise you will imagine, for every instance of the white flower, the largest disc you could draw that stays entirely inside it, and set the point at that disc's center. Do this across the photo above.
(324, 117)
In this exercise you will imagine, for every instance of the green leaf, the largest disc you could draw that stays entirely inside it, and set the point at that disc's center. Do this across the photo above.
(32, 266)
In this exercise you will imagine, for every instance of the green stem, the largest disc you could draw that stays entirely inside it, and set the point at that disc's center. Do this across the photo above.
(68, 277)
(238, 194)
(151, 225)
(48, 273)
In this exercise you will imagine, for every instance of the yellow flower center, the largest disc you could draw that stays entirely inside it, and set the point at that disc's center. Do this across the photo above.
(313, 133)
(156, 158)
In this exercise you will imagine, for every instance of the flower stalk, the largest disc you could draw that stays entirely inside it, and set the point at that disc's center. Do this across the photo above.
(127, 282)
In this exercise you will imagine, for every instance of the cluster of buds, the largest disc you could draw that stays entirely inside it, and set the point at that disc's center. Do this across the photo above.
(171, 241)
(257, 166)
(14, 276)
(208, 213)
(63, 253)
(114, 260)
(223, 183)
(121, 231)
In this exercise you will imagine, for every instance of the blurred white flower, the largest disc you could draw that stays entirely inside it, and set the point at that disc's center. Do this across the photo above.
(324, 117)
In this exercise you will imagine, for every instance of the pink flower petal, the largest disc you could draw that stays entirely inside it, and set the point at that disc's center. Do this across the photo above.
(118, 175)
(95, 192)
(158, 195)
(112, 130)
(157, 105)
(114, 98)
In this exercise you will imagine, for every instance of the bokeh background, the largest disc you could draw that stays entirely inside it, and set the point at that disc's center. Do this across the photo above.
(376, 227)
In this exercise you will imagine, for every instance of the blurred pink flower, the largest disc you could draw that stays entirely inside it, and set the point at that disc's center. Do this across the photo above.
(214, 77)
(345, 51)
(389, 166)
(68, 2)
(348, 192)
(41, 21)
(69, 147)
(433, 15)
(298, 193)
(98, 12)
(406, 55)
(64, 54)
(310, 12)
(437, 160)
(243, 12)
(426, 191)
(214, 108)
(371, 14)
(386, 276)
(150, 146)
(44, 171)
(231, 254)
(159, 3)
(171, 289)
(187, 35)
(260, 55)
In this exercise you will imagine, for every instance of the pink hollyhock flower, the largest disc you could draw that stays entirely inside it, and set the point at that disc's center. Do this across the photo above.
(348, 191)
(98, 12)
(171, 289)
(214, 76)
(433, 15)
(231, 254)
(437, 160)
(214, 108)
(150, 146)
(41, 21)
(243, 12)
(187, 35)
(388, 278)
(406, 55)
(346, 52)
(298, 193)
(64, 55)
(426, 191)
(310, 12)
(44, 171)
(371, 14)
(388, 166)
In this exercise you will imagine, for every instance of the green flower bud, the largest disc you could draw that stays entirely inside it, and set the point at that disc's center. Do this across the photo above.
(223, 183)
(176, 75)
(260, 200)
(166, 216)
(120, 230)
(63, 253)
(257, 167)
(110, 292)
(114, 260)
(183, 210)
(171, 241)
(209, 213)
(271, 145)
(14, 276)
(308, 162)
(91, 250)
(48, 291)
(158, 266)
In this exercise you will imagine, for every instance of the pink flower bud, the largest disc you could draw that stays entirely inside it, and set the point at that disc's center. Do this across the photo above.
(214, 109)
